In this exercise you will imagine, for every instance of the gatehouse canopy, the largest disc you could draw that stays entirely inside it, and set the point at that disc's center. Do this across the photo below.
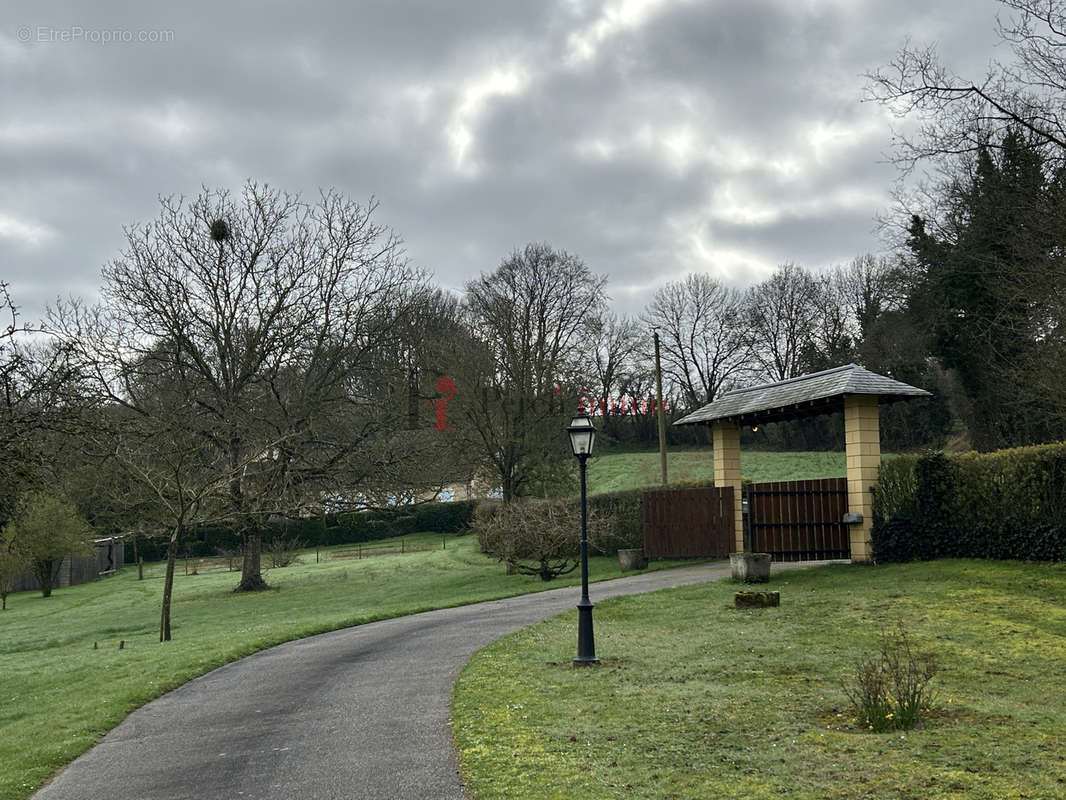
(803, 396)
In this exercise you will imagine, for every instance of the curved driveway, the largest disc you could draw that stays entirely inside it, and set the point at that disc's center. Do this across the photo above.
(360, 713)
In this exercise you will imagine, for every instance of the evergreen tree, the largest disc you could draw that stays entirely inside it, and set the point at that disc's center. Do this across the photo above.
(981, 288)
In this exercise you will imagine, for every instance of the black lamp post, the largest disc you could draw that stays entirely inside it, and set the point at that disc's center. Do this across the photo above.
(582, 435)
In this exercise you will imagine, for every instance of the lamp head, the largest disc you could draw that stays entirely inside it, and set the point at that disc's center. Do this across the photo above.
(582, 434)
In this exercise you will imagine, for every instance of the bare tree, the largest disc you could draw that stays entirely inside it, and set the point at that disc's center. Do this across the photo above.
(869, 286)
(38, 393)
(265, 313)
(782, 315)
(430, 348)
(960, 114)
(619, 365)
(956, 116)
(703, 345)
(527, 319)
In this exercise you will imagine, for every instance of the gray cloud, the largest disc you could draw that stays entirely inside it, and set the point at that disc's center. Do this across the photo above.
(649, 138)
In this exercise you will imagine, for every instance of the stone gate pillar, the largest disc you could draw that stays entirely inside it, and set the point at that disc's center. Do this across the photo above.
(726, 437)
(862, 440)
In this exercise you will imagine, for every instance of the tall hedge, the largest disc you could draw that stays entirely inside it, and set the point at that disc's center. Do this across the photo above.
(1006, 504)
(347, 528)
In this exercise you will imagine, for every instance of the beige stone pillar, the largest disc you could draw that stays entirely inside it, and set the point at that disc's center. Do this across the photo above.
(862, 438)
(727, 469)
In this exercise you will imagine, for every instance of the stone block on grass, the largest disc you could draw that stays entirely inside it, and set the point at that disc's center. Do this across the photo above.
(757, 599)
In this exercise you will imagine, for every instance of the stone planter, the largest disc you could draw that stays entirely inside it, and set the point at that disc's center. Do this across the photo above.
(632, 559)
(750, 567)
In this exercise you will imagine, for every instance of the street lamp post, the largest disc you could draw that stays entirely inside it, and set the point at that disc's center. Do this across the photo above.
(582, 435)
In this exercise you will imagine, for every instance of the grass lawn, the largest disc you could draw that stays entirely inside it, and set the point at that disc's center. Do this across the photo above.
(695, 699)
(611, 472)
(58, 694)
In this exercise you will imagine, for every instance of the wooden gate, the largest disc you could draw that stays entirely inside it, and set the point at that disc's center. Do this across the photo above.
(688, 523)
(800, 520)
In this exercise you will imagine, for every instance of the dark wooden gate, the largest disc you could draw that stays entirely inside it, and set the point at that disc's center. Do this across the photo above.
(799, 520)
(688, 523)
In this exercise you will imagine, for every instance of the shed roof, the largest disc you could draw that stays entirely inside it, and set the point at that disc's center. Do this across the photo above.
(803, 396)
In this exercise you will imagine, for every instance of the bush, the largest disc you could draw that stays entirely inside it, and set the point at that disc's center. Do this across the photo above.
(623, 521)
(891, 690)
(1006, 504)
(624, 512)
(539, 537)
(283, 551)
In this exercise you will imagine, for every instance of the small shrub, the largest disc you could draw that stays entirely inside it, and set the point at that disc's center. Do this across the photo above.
(283, 551)
(889, 691)
(485, 510)
(234, 558)
(538, 537)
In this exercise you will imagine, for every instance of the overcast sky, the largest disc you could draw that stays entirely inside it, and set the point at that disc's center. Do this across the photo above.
(649, 138)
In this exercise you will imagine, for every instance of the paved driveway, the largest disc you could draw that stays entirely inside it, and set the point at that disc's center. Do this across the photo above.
(359, 714)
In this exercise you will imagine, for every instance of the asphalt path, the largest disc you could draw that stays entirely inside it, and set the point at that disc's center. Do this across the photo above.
(359, 714)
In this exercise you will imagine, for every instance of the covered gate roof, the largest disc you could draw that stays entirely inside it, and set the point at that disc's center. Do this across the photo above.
(804, 396)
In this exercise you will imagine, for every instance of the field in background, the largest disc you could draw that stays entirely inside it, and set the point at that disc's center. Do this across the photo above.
(58, 694)
(694, 698)
(614, 471)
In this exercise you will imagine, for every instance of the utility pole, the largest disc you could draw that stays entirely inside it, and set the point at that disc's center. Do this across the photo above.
(661, 410)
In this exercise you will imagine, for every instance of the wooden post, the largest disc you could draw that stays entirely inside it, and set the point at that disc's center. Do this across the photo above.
(660, 410)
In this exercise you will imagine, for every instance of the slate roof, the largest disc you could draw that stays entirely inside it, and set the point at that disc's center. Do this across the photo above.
(804, 396)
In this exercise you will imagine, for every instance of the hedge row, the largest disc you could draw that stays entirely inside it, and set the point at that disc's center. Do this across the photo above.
(1006, 504)
(347, 528)
(626, 510)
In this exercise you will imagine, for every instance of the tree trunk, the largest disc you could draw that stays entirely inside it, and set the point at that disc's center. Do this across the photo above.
(251, 569)
(3, 601)
(168, 584)
(45, 571)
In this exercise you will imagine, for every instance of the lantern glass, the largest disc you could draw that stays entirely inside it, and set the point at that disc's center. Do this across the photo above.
(582, 435)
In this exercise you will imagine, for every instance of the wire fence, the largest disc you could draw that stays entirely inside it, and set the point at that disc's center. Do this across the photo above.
(232, 562)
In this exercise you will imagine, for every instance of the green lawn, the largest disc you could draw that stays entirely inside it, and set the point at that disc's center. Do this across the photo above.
(58, 694)
(695, 699)
(615, 471)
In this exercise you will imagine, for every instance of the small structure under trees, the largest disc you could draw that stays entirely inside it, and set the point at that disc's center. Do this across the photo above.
(851, 389)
